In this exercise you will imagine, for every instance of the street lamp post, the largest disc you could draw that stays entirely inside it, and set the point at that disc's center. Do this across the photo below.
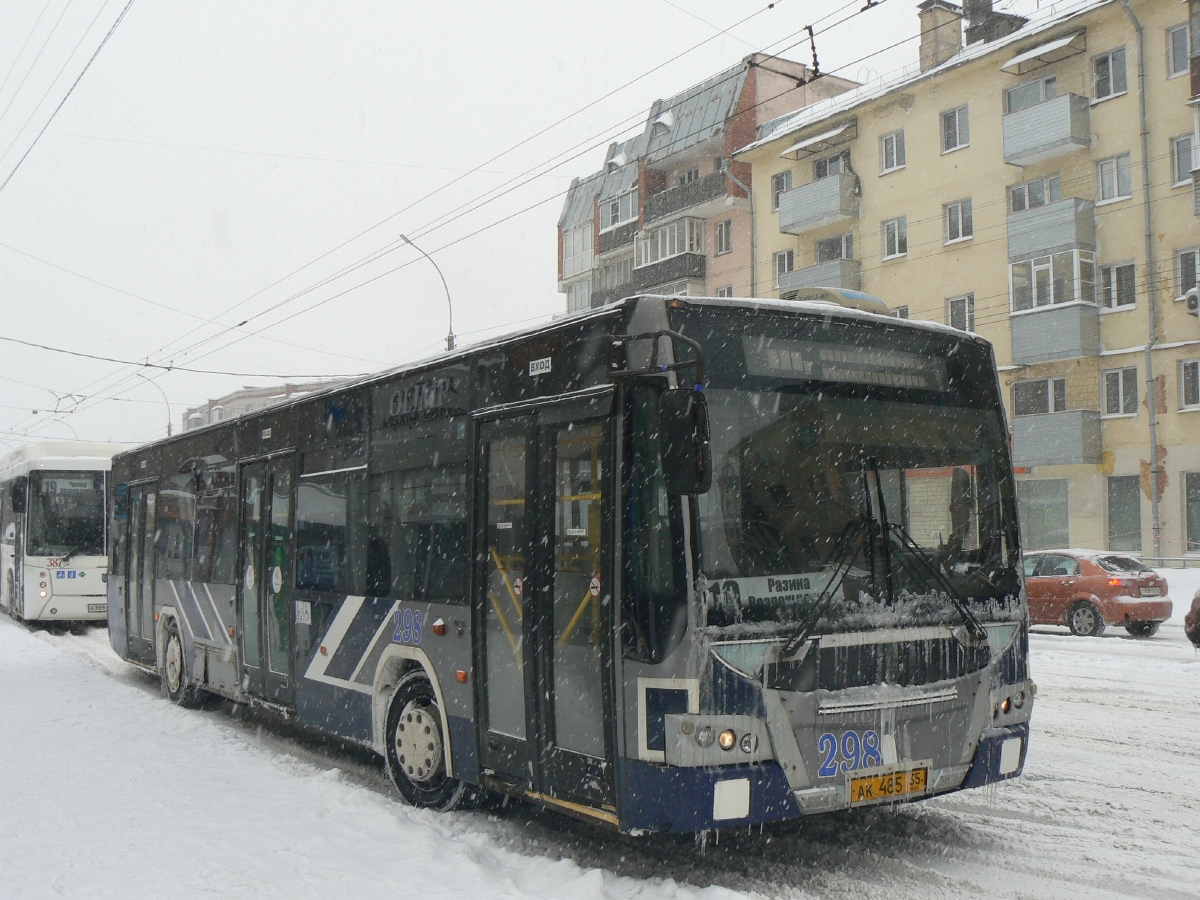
(449, 305)
(164, 396)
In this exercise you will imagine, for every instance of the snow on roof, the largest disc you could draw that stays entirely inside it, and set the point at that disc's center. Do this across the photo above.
(693, 116)
(1040, 21)
(1045, 53)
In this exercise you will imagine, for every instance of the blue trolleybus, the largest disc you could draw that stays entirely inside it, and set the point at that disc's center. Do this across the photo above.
(671, 564)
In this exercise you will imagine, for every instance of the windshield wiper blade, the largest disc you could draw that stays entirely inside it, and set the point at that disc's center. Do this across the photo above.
(66, 557)
(847, 549)
(938, 579)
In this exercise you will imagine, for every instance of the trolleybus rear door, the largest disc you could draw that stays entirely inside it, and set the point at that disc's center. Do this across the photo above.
(545, 613)
(265, 582)
(139, 575)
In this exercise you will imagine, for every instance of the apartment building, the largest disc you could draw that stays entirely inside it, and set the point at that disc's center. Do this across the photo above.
(670, 211)
(249, 399)
(1032, 181)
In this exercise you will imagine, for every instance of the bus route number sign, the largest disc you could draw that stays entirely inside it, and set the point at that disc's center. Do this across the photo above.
(408, 626)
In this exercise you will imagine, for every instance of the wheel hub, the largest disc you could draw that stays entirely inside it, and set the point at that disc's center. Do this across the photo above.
(174, 664)
(418, 741)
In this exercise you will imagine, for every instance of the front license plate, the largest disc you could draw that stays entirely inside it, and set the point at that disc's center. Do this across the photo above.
(97, 607)
(1151, 592)
(888, 785)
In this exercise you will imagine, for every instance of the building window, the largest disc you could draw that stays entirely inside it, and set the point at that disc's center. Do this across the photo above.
(1042, 513)
(956, 131)
(681, 236)
(1125, 513)
(1189, 384)
(687, 176)
(895, 237)
(579, 295)
(577, 250)
(1181, 160)
(839, 247)
(616, 272)
(1120, 391)
(618, 210)
(779, 184)
(959, 221)
(962, 312)
(1031, 94)
(1037, 398)
(1113, 178)
(837, 164)
(1062, 278)
(784, 260)
(1108, 74)
(724, 236)
(1035, 193)
(1118, 286)
(891, 151)
(1187, 270)
(726, 291)
(900, 312)
(1178, 50)
(1191, 503)
(674, 289)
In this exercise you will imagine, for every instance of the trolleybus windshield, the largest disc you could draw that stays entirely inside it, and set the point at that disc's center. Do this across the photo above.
(66, 514)
(857, 467)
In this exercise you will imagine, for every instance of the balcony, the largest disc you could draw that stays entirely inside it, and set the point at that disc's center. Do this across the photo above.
(1065, 225)
(1063, 331)
(673, 268)
(1057, 439)
(818, 203)
(1048, 129)
(616, 238)
(837, 273)
(685, 196)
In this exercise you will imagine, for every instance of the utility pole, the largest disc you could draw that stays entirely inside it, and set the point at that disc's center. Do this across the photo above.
(449, 305)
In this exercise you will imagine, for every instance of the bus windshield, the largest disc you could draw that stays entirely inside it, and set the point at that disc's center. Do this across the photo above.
(66, 514)
(851, 453)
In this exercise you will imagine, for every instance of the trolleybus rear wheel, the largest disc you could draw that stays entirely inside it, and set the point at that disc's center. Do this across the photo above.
(174, 673)
(416, 761)
(1085, 620)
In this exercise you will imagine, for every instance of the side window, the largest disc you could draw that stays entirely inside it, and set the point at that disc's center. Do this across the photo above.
(214, 544)
(119, 530)
(330, 527)
(176, 524)
(1030, 564)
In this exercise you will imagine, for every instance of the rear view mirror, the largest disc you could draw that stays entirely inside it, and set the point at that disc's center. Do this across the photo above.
(683, 437)
(19, 487)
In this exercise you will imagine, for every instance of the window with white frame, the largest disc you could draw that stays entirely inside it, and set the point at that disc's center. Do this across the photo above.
(1114, 178)
(1179, 47)
(1060, 278)
(956, 130)
(680, 236)
(1119, 387)
(577, 250)
(618, 210)
(784, 261)
(687, 176)
(1037, 398)
(1187, 270)
(723, 237)
(961, 312)
(780, 184)
(579, 295)
(828, 166)
(895, 237)
(839, 247)
(1108, 74)
(960, 224)
(1032, 194)
(1191, 510)
(616, 272)
(1031, 94)
(1181, 160)
(1118, 286)
(891, 151)
(900, 312)
(1189, 384)
(726, 291)
(674, 289)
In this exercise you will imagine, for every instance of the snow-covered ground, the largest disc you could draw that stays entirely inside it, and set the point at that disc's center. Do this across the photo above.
(106, 790)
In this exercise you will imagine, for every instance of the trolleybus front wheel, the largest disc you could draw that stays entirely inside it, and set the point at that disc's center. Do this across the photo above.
(416, 760)
(174, 673)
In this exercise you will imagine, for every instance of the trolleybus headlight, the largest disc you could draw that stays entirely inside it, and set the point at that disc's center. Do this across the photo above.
(687, 727)
(749, 743)
(1005, 705)
(1019, 700)
(726, 739)
(43, 584)
(704, 736)
(42, 593)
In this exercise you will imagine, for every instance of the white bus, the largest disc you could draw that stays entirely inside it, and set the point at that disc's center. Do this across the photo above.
(53, 564)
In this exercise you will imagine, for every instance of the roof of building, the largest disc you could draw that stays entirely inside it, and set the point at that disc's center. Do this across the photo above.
(1041, 21)
(693, 116)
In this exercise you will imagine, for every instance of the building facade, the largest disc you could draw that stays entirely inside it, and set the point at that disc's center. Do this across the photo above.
(670, 211)
(1032, 182)
(248, 399)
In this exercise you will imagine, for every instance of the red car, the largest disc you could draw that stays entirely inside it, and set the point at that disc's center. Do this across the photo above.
(1089, 589)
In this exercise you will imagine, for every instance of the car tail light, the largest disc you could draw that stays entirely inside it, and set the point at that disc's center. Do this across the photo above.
(1115, 582)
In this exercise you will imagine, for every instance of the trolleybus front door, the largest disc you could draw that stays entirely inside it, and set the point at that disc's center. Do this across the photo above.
(265, 582)
(545, 613)
(139, 574)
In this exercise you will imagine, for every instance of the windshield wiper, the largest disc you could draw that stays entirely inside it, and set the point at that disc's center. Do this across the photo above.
(847, 549)
(935, 576)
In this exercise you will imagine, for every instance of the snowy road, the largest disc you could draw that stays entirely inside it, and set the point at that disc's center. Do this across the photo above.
(106, 790)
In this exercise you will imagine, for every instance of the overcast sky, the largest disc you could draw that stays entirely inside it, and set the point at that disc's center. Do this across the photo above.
(215, 148)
